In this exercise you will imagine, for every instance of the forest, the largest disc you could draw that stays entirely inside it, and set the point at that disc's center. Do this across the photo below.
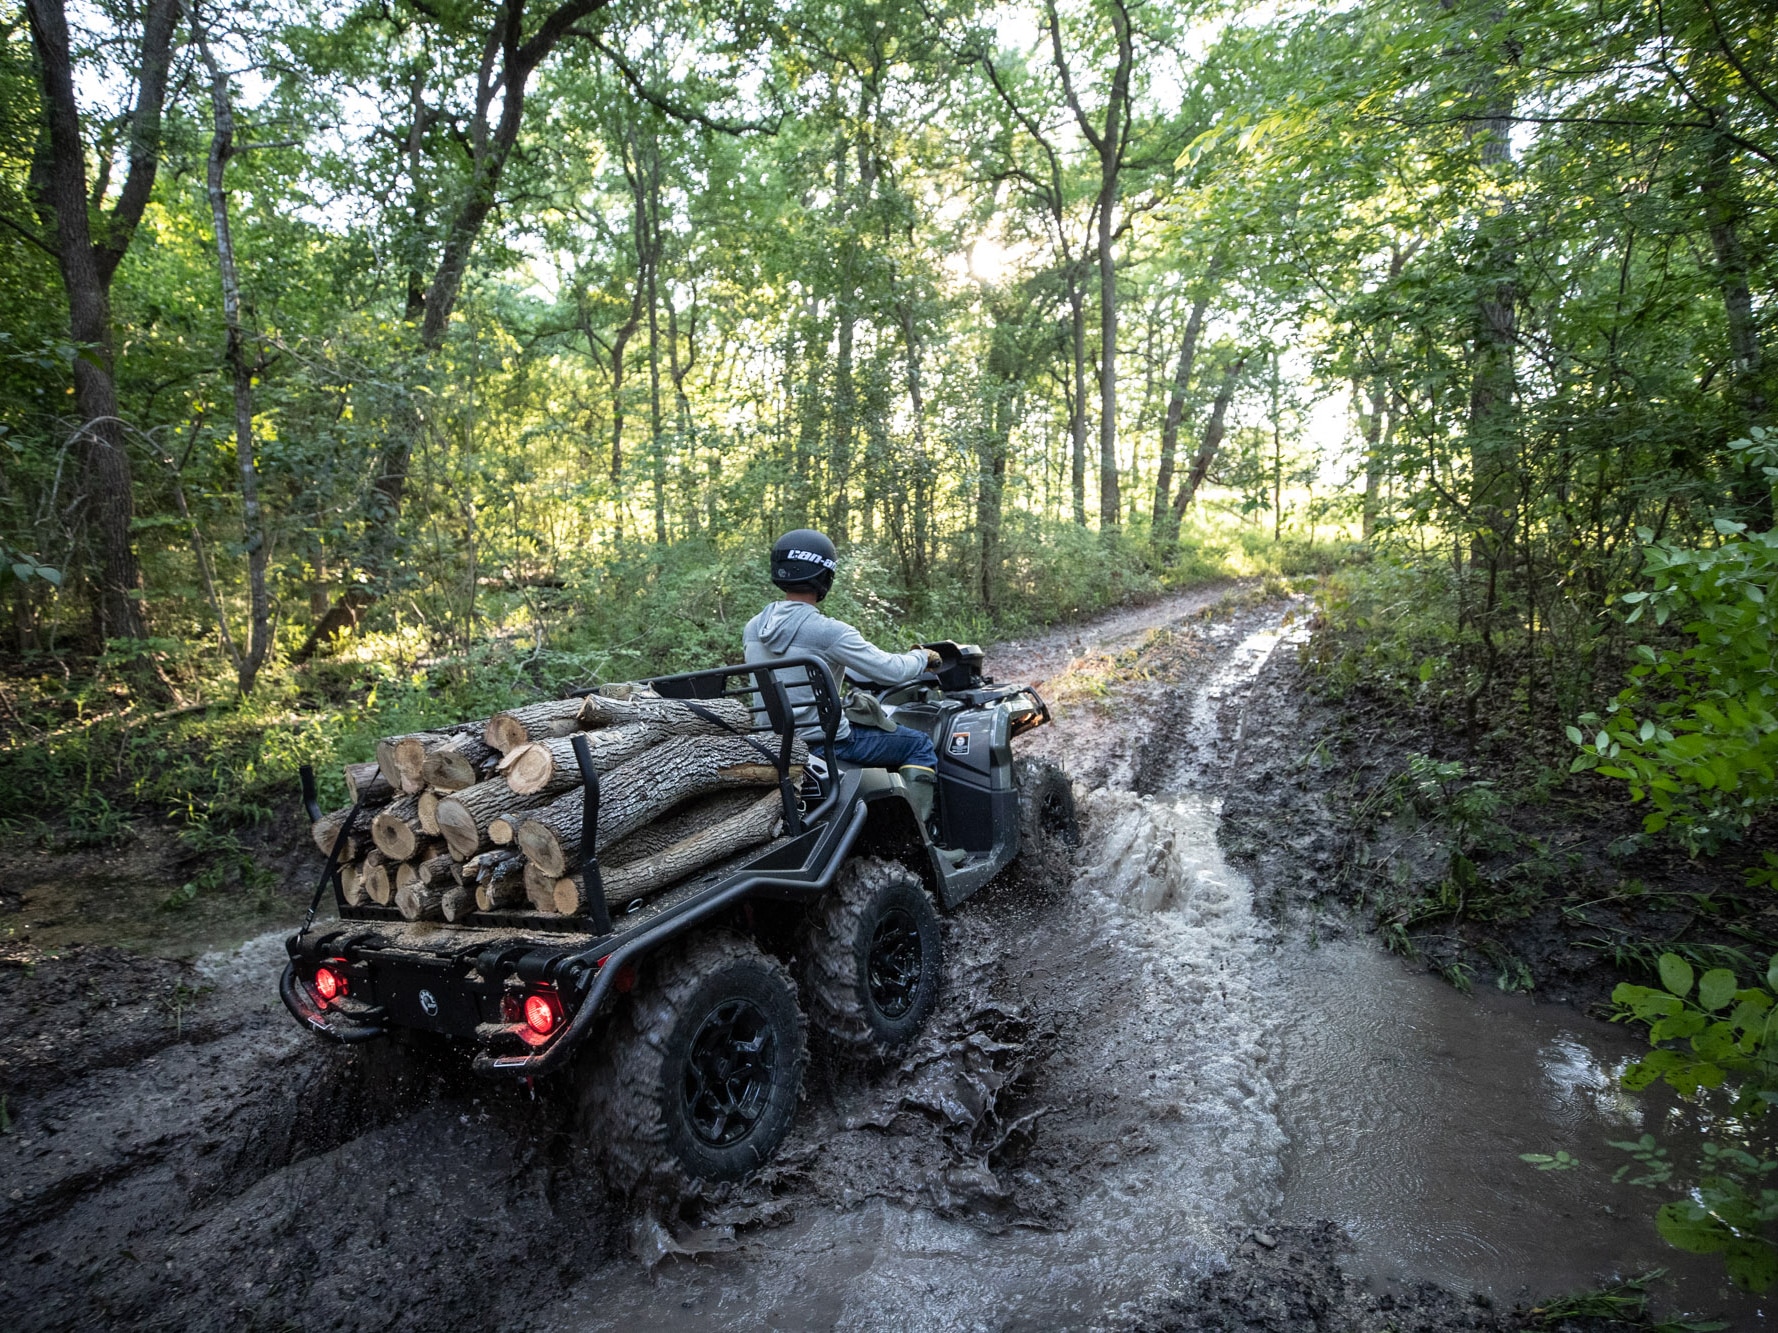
(371, 364)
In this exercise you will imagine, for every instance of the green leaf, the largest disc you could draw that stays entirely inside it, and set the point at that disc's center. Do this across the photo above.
(1575, 735)
(1716, 988)
(1676, 974)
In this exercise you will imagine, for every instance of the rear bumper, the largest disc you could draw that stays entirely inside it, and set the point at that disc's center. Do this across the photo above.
(303, 1006)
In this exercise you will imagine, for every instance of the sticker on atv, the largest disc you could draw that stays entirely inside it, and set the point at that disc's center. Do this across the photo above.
(959, 742)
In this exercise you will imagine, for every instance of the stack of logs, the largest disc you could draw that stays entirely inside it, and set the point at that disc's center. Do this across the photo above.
(486, 816)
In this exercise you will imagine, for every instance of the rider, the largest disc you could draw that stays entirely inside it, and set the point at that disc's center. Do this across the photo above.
(803, 565)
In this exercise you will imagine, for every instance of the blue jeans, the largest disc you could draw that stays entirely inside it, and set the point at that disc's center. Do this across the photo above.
(869, 748)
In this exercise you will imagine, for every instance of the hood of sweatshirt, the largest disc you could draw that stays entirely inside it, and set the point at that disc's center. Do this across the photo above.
(776, 627)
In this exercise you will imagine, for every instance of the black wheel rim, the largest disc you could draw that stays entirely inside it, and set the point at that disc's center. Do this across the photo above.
(893, 968)
(728, 1077)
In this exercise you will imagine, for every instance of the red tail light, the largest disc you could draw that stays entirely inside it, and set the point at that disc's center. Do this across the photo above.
(540, 1014)
(329, 985)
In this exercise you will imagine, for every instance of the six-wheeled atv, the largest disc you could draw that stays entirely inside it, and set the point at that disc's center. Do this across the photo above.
(685, 1010)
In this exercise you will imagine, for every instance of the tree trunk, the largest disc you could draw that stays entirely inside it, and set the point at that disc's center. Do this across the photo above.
(1163, 532)
(509, 58)
(1077, 405)
(1108, 143)
(1723, 212)
(1212, 441)
(241, 368)
(88, 261)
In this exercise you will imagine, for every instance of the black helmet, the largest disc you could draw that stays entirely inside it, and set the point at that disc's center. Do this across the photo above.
(804, 561)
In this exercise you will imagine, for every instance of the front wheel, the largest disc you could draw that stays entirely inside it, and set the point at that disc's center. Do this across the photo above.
(1049, 826)
(706, 1072)
(874, 958)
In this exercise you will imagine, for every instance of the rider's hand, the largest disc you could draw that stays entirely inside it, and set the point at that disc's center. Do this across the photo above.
(933, 660)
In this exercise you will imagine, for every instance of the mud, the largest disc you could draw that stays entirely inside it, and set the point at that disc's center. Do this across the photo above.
(1090, 1134)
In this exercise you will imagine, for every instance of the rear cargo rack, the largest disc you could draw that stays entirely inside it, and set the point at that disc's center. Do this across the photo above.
(765, 689)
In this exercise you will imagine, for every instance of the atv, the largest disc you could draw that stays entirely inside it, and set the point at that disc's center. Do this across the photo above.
(687, 1012)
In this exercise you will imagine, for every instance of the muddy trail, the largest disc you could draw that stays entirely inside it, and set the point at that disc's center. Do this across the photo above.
(1155, 1096)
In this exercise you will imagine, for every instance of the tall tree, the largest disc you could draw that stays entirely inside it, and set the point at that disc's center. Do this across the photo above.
(1109, 136)
(242, 367)
(512, 46)
(88, 246)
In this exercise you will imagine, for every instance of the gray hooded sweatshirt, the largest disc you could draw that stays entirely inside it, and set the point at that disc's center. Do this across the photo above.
(796, 629)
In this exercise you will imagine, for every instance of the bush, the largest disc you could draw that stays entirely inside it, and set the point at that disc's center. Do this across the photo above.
(1696, 732)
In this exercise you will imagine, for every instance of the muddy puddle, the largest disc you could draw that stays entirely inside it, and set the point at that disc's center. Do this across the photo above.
(1129, 1079)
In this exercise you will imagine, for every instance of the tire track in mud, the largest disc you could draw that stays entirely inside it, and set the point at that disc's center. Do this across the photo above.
(1086, 1119)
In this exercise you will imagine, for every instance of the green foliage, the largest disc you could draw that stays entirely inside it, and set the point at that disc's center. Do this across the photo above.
(1696, 732)
(1710, 1032)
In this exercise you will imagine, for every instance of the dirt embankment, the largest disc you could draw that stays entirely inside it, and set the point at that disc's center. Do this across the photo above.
(180, 1155)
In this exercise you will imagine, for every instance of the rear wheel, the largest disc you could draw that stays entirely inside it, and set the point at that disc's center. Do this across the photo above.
(875, 958)
(705, 1072)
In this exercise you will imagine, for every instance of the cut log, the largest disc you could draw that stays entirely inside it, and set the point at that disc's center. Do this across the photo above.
(351, 887)
(675, 716)
(325, 829)
(540, 888)
(457, 762)
(420, 902)
(548, 766)
(386, 762)
(389, 764)
(679, 823)
(378, 879)
(504, 826)
(433, 872)
(517, 726)
(487, 865)
(570, 897)
(642, 790)
(502, 884)
(426, 811)
(457, 903)
(463, 816)
(396, 828)
(366, 785)
(758, 823)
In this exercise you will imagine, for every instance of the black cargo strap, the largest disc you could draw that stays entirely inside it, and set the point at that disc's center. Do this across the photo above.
(591, 880)
(793, 819)
(731, 728)
(330, 871)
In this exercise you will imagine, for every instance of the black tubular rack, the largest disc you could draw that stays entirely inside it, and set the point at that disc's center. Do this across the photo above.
(772, 692)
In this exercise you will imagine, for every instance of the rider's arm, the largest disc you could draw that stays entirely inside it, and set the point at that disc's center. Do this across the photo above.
(866, 661)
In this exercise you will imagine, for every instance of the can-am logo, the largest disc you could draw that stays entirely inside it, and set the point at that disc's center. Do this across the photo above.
(812, 558)
(428, 1002)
